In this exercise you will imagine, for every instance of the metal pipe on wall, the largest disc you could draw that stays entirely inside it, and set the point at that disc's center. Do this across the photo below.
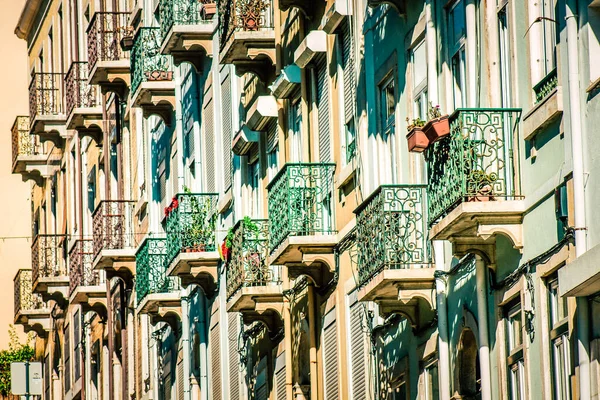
(482, 322)
(442, 313)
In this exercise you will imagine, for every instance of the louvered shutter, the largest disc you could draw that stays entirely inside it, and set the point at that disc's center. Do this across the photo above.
(280, 377)
(167, 373)
(358, 351)
(180, 376)
(331, 361)
(322, 101)
(226, 117)
(234, 361)
(215, 364)
(348, 70)
(209, 144)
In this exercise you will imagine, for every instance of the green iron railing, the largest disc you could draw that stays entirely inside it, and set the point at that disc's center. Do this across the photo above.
(248, 265)
(147, 63)
(475, 162)
(25, 299)
(190, 223)
(544, 87)
(300, 201)
(151, 269)
(391, 230)
(183, 12)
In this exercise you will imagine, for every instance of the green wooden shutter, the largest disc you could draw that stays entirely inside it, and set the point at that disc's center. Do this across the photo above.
(226, 117)
(234, 360)
(215, 358)
(209, 143)
(322, 101)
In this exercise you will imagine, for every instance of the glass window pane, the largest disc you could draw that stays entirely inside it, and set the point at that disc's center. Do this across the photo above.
(457, 22)
(515, 328)
(419, 61)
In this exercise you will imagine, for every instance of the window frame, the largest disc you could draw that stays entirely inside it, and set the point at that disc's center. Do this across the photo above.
(515, 351)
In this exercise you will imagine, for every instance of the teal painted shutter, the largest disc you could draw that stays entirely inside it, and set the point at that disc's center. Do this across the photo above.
(331, 361)
(358, 352)
(234, 360)
(215, 362)
(226, 117)
(209, 143)
(322, 101)
(348, 70)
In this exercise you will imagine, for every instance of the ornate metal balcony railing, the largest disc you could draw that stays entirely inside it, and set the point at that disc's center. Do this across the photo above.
(391, 230)
(151, 269)
(147, 63)
(113, 222)
(81, 271)
(300, 201)
(46, 95)
(190, 224)
(244, 15)
(248, 265)
(183, 12)
(544, 87)
(80, 94)
(25, 299)
(476, 162)
(24, 144)
(105, 32)
(48, 257)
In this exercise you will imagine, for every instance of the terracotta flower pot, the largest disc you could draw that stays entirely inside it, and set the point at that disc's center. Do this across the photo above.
(417, 140)
(437, 128)
(159, 76)
(127, 43)
(209, 10)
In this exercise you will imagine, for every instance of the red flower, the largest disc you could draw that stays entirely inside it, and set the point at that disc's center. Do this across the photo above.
(174, 203)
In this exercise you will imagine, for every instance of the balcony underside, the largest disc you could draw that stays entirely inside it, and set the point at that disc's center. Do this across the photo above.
(198, 268)
(251, 51)
(35, 167)
(50, 128)
(409, 292)
(162, 307)
(156, 98)
(111, 76)
(190, 43)
(119, 263)
(91, 298)
(53, 288)
(472, 225)
(37, 321)
(259, 303)
(87, 121)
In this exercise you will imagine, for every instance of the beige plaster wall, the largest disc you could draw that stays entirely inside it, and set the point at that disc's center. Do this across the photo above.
(15, 252)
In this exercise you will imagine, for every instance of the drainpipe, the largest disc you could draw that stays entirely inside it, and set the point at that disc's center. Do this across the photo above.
(111, 339)
(482, 322)
(314, 373)
(442, 314)
(185, 339)
(203, 349)
(471, 20)
(583, 327)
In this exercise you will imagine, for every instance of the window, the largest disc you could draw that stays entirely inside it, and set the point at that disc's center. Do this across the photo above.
(457, 35)
(514, 343)
(418, 60)
(346, 49)
(430, 380)
(398, 391)
(560, 348)
(254, 181)
(67, 357)
(387, 92)
(387, 111)
(295, 130)
(548, 22)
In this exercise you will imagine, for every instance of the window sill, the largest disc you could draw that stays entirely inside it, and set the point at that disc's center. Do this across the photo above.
(542, 114)
(225, 201)
(346, 175)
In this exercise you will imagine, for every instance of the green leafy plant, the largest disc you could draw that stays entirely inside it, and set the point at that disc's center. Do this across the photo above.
(434, 111)
(17, 352)
(199, 231)
(416, 123)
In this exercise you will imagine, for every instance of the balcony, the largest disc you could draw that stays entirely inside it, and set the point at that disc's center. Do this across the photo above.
(187, 28)
(473, 176)
(47, 116)
(30, 310)
(84, 102)
(157, 293)
(248, 37)
(86, 286)
(108, 63)
(301, 229)
(114, 238)
(253, 286)
(394, 257)
(191, 242)
(152, 81)
(29, 158)
(398, 5)
(49, 270)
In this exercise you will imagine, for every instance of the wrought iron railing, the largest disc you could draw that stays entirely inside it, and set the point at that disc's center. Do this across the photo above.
(147, 63)
(151, 269)
(476, 162)
(46, 95)
(25, 299)
(113, 222)
(105, 32)
(190, 223)
(248, 264)
(48, 257)
(300, 201)
(391, 230)
(544, 87)
(81, 271)
(80, 94)
(244, 15)
(183, 12)
(24, 144)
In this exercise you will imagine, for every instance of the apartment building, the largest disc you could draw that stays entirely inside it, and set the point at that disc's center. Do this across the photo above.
(226, 203)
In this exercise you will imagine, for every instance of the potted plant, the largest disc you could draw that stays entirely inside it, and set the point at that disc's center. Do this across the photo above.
(127, 39)
(209, 8)
(480, 186)
(198, 233)
(438, 125)
(417, 140)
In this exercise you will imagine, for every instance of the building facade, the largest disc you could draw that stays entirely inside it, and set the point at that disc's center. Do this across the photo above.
(292, 199)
